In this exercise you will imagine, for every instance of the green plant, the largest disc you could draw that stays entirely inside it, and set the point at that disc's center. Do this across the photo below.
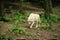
(27, 14)
(18, 17)
(10, 38)
(8, 9)
(7, 18)
(4, 37)
(43, 20)
(15, 31)
(0, 18)
(53, 18)
(28, 33)
(20, 30)
(45, 26)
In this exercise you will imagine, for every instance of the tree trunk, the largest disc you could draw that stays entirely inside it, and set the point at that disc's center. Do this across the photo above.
(1, 7)
(48, 8)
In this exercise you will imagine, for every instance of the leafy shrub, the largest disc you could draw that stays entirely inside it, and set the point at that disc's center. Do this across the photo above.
(0, 18)
(20, 30)
(27, 14)
(45, 26)
(18, 17)
(53, 18)
(7, 18)
(4, 37)
(43, 20)
(8, 9)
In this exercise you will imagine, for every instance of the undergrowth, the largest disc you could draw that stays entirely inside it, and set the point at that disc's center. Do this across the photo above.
(4, 37)
(19, 30)
(47, 23)
(19, 17)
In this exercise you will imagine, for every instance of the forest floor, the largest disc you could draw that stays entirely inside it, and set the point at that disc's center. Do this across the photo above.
(35, 33)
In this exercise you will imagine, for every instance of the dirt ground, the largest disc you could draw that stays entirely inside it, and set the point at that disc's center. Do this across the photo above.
(35, 33)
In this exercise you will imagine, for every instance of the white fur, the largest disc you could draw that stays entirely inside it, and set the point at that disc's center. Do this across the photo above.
(34, 18)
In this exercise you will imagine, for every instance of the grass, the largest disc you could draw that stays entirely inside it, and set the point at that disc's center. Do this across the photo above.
(0, 18)
(5, 18)
(4, 37)
(47, 23)
(19, 30)
(19, 17)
